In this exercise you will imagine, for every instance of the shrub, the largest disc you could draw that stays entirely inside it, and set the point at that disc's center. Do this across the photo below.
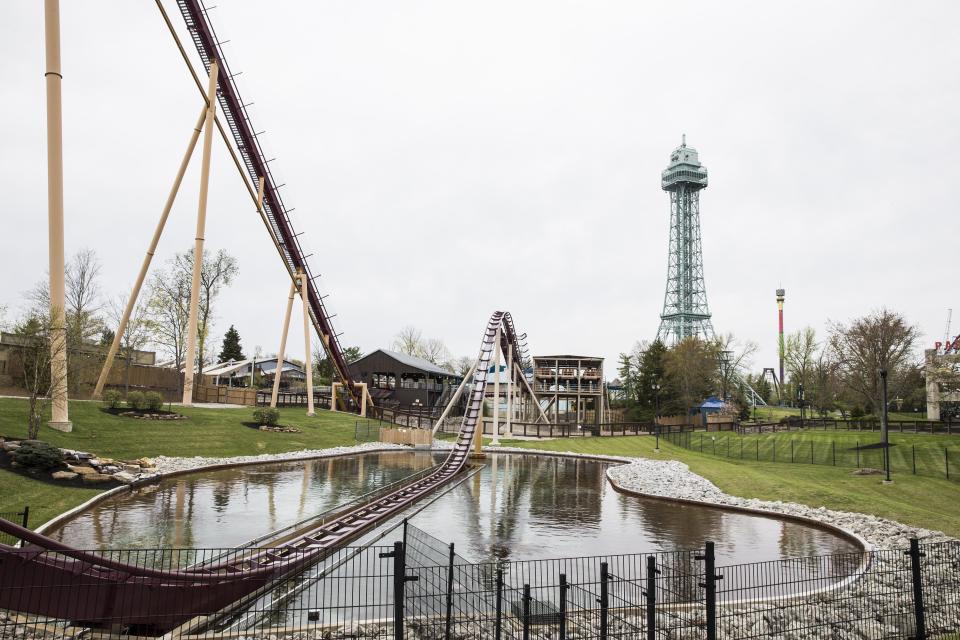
(38, 455)
(112, 398)
(137, 400)
(266, 415)
(153, 401)
(856, 412)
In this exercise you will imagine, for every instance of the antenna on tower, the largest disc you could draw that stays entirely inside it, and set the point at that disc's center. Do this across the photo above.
(684, 140)
(946, 331)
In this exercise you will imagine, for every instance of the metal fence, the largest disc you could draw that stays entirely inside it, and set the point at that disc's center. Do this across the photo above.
(795, 423)
(21, 517)
(421, 588)
(925, 459)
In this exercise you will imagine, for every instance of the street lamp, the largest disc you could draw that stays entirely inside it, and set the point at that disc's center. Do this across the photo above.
(656, 414)
(884, 431)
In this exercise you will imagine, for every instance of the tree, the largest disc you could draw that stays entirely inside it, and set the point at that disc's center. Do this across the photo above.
(462, 365)
(732, 361)
(83, 305)
(135, 335)
(690, 372)
(881, 340)
(231, 349)
(323, 365)
(216, 271)
(168, 308)
(33, 357)
(409, 340)
(650, 374)
(799, 355)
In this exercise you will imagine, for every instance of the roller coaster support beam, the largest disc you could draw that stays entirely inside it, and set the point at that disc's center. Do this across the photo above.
(145, 266)
(533, 396)
(308, 358)
(455, 398)
(58, 320)
(496, 390)
(188, 371)
(510, 390)
(283, 345)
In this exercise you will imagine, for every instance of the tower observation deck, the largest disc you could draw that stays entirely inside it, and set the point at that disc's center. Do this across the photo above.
(685, 312)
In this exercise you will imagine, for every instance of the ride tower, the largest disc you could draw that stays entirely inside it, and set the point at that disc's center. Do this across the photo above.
(685, 313)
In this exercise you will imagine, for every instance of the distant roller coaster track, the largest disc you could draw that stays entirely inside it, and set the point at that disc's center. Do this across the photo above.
(49, 578)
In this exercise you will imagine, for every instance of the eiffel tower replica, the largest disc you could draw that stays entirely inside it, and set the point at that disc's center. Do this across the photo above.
(685, 311)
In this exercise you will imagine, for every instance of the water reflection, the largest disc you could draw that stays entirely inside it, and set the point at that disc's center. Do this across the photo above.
(517, 507)
(528, 507)
(228, 507)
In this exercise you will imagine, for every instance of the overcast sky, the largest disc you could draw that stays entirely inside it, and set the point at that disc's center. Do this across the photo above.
(447, 159)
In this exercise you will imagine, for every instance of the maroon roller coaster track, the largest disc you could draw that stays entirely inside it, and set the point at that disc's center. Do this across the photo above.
(46, 577)
(280, 227)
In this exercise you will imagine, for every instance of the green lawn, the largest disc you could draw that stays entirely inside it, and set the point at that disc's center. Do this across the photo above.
(775, 413)
(208, 432)
(924, 453)
(916, 500)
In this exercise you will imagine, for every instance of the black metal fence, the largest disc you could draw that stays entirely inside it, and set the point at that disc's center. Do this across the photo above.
(795, 423)
(924, 459)
(421, 588)
(21, 517)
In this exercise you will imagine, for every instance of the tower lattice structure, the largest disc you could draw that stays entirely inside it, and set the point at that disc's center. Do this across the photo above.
(685, 312)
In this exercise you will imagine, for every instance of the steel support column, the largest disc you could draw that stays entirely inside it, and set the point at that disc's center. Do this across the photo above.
(188, 365)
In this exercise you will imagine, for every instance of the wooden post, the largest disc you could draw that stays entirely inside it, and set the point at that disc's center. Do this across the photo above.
(334, 393)
(58, 320)
(308, 358)
(456, 396)
(198, 241)
(283, 344)
(145, 265)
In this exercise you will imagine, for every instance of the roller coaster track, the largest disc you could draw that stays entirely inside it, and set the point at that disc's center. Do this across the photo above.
(49, 578)
(275, 212)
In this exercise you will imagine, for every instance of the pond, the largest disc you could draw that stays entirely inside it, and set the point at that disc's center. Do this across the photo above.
(517, 507)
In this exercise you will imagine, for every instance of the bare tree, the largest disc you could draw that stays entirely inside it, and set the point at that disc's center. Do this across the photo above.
(33, 356)
(881, 340)
(409, 341)
(799, 354)
(436, 352)
(733, 361)
(135, 335)
(168, 309)
(462, 365)
(216, 271)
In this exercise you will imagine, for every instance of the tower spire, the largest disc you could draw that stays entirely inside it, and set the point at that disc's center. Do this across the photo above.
(685, 311)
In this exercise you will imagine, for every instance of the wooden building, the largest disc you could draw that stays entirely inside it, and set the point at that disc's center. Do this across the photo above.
(405, 380)
(570, 388)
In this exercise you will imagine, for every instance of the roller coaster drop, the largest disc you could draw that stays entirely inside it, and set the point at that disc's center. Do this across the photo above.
(93, 590)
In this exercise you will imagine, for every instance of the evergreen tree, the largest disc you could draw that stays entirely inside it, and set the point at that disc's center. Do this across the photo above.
(651, 373)
(231, 349)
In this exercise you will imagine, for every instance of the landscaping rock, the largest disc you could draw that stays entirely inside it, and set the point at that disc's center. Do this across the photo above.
(63, 475)
(82, 470)
(867, 471)
(96, 478)
(131, 468)
(124, 477)
(10, 446)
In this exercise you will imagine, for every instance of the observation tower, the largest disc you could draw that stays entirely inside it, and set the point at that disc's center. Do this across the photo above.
(685, 313)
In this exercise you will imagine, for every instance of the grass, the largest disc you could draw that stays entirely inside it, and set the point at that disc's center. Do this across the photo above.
(915, 500)
(775, 413)
(208, 432)
(923, 452)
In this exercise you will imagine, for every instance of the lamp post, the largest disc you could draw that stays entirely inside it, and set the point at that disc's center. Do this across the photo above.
(884, 432)
(656, 415)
